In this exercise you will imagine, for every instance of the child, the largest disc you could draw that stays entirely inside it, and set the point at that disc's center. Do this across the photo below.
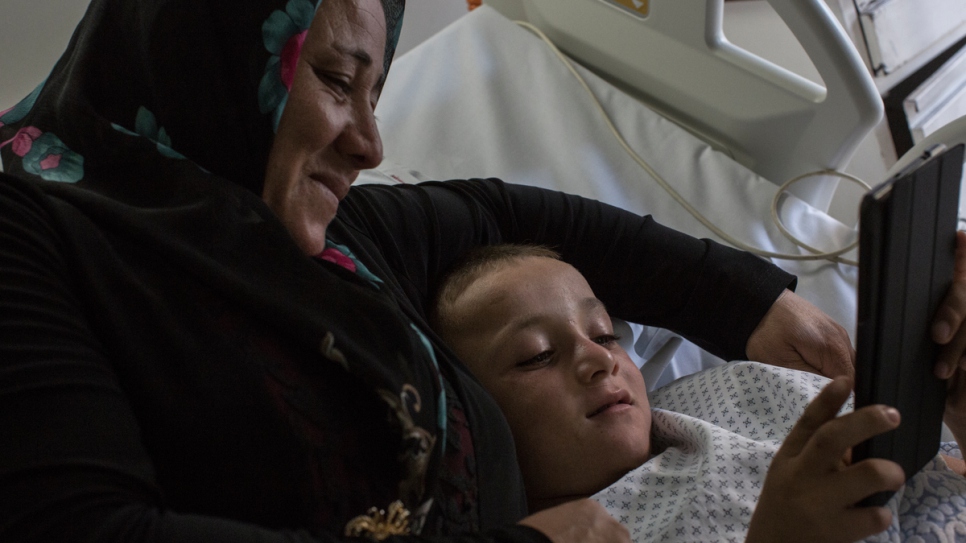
(530, 328)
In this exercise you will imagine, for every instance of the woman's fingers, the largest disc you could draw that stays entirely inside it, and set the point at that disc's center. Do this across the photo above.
(951, 354)
(796, 334)
(820, 411)
(950, 314)
(955, 414)
(952, 311)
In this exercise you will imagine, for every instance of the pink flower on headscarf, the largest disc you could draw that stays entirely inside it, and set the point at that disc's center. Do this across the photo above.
(290, 57)
(45, 155)
(336, 256)
(24, 139)
(50, 162)
(283, 33)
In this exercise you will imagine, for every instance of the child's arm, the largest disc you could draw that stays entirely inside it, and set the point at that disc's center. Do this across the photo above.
(811, 488)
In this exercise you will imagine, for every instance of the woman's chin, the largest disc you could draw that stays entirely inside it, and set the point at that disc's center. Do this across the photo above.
(309, 235)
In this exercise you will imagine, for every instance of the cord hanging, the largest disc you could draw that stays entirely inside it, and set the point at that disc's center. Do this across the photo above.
(816, 254)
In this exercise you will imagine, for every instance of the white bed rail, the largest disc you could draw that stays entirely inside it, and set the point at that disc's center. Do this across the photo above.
(677, 60)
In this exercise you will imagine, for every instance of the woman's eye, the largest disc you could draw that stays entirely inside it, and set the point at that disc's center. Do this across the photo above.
(336, 82)
(607, 339)
(540, 360)
(339, 84)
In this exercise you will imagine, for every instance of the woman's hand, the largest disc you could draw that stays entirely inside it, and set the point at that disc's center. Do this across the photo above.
(796, 334)
(955, 415)
(947, 328)
(949, 331)
(811, 488)
(579, 521)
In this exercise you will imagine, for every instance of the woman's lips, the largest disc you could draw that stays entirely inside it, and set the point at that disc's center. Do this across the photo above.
(336, 187)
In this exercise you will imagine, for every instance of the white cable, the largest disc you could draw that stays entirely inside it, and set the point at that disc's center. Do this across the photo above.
(834, 256)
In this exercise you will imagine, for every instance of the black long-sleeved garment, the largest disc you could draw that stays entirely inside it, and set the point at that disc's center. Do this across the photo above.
(147, 394)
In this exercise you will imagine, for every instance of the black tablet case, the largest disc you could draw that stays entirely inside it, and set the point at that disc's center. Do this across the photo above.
(906, 255)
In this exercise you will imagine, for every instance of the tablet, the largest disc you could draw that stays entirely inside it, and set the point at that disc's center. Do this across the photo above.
(907, 241)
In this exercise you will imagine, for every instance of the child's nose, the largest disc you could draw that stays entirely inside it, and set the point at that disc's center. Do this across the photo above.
(594, 361)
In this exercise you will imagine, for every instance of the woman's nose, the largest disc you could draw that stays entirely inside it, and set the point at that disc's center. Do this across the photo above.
(360, 140)
(594, 361)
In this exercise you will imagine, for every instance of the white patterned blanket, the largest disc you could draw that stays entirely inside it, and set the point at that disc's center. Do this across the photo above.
(719, 430)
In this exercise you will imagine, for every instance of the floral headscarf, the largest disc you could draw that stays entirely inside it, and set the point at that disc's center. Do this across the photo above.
(145, 84)
(156, 114)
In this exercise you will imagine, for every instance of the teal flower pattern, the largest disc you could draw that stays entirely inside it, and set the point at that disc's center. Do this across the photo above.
(42, 153)
(283, 33)
(441, 400)
(146, 125)
(342, 255)
(45, 155)
(19, 111)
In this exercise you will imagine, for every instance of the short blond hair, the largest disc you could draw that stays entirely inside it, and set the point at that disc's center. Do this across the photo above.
(474, 265)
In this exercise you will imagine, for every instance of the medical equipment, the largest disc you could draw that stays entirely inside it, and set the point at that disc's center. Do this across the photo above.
(675, 57)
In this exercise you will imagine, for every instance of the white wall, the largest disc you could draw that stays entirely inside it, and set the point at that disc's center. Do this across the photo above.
(426, 17)
(33, 35)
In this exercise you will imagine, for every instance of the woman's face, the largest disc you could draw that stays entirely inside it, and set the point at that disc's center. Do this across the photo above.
(327, 132)
(542, 344)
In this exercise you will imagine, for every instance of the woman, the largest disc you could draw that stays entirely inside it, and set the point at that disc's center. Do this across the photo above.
(193, 346)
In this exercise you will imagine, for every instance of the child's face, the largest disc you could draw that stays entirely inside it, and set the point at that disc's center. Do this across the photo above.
(543, 345)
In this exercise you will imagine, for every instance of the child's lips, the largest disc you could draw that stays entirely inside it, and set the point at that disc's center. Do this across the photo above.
(611, 402)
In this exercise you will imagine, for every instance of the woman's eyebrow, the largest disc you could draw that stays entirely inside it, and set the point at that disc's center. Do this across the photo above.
(360, 55)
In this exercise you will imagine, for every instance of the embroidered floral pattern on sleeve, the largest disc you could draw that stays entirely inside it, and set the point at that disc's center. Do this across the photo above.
(342, 256)
(284, 33)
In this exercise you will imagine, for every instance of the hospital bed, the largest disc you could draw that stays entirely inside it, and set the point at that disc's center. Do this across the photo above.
(665, 115)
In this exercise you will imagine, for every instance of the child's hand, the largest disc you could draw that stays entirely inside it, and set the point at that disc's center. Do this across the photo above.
(811, 488)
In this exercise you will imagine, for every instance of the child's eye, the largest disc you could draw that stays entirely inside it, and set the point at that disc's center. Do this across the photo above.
(607, 339)
(540, 360)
